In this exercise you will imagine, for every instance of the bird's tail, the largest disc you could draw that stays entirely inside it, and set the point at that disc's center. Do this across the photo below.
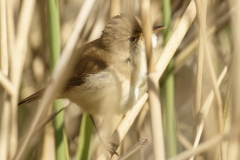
(33, 97)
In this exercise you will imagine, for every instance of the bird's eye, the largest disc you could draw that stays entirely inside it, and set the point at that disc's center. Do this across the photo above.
(132, 39)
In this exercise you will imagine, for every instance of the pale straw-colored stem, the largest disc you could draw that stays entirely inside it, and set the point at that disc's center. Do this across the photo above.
(4, 131)
(234, 143)
(147, 32)
(128, 120)
(173, 43)
(125, 124)
(4, 81)
(176, 38)
(186, 52)
(5, 108)
(156, 116)
(201, 9)
(135, 148)
(3, 40)
(115, 7)
(215, 88)
(204, 51)
(153, 86)
(17, 61)
(205, 109)
(202, 147)
(6, 122)
(184, 141)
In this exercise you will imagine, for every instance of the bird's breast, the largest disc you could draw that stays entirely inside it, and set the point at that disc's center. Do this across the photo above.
(113, 90)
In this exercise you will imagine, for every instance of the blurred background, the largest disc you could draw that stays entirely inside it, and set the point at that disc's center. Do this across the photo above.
(181, 120)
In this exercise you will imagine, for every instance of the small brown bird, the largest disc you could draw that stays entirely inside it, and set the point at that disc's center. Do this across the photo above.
(109, 73)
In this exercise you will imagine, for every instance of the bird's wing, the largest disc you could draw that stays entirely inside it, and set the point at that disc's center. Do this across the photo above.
(88, 60)
(85, 61)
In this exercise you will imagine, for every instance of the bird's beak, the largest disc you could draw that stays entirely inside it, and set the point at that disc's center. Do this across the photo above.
(158, 28)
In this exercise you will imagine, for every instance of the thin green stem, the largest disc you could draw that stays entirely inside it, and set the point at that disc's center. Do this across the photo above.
(85, 138)
(55, 46)
(169, 110)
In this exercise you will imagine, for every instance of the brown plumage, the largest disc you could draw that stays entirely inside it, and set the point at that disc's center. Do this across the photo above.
(109, 73)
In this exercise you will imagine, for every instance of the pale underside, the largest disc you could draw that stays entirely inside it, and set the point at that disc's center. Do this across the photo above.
(109, 91)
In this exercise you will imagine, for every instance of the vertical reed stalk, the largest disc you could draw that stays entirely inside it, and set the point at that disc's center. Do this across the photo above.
(168, 89)
(55, 47)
